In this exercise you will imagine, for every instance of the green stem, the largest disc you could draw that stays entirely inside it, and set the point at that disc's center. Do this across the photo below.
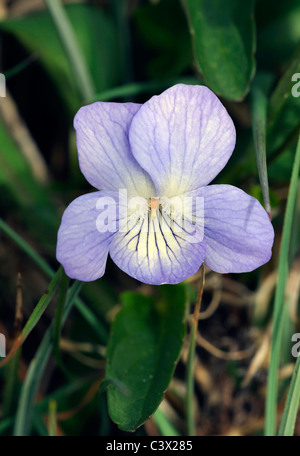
(69, 41)
(191, 423)
(260, 88)
(283, 268)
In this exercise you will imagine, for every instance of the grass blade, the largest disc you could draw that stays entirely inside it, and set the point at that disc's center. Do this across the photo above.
(36, 369)
(289, 416)
(26, 248)
(34, 317)
(11, 385)
(52, 419)
(81, 74)
(283, 88)
(272, 386)
(39, 425)
(87, 313)
(164, 425)
(139, 88)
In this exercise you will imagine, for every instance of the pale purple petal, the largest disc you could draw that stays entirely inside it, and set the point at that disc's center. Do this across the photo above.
(154, 253)
(81, 248)
(104, 153)
(182, 138)
(238, 233)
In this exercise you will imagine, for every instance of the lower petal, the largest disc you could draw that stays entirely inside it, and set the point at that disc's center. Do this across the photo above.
(238, 233)
(82, 246)
(155, 252)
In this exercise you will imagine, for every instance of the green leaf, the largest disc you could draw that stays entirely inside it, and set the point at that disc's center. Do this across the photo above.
(223, 34)
(97, 39)
(144, 346)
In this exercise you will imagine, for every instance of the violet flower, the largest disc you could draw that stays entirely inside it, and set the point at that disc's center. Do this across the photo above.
(171, 146)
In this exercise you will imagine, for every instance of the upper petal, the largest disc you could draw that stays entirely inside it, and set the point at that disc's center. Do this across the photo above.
(238, 233)
(182, 138)
(82, 247)
(104, 152)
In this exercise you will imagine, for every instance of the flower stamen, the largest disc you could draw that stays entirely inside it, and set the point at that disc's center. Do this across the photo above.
(153, 204)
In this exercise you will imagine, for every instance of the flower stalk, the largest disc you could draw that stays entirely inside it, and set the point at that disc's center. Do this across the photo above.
(191, 422)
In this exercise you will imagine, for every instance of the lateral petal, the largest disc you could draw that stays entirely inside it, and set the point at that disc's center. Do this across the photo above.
(238, 233)
(82, 247)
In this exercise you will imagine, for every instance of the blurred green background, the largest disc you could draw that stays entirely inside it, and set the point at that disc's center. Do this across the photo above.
(246, 52)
